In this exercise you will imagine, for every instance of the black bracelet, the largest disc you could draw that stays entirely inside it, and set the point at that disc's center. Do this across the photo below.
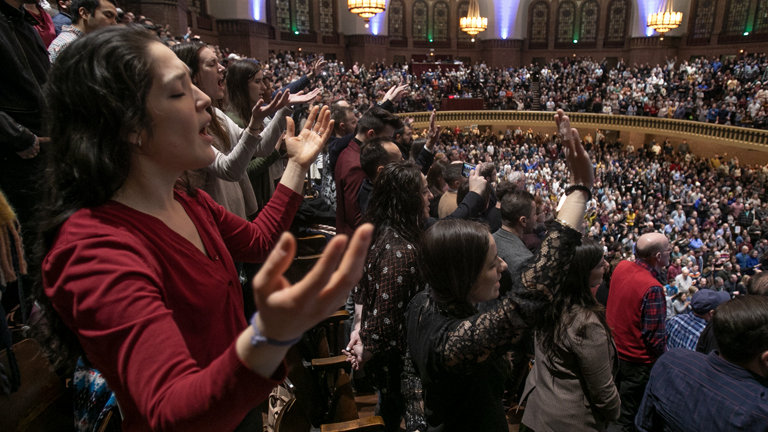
(570, 189)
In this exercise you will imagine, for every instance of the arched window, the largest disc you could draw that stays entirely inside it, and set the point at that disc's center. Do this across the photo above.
(327, 25)
(566, 22)
(538, 23)
(616, 30)
(303, 23)
(396, 20)
(283, 9)
(735, 21)
(440, 22)
(590, 16)
(420, 20)
(761, 17)
(702, 22)
(463, 11)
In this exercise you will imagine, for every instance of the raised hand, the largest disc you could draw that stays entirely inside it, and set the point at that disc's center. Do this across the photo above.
(576, 156)
(477, 183)
(260, 112)
(317, 68)
(304, 148)
(303, 97)
(434, 132)
(286, 311)
(394, 93)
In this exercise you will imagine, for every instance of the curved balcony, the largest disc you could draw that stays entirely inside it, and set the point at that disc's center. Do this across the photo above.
(753, 139)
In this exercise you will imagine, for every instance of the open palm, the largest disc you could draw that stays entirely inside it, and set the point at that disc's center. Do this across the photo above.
(304, 148)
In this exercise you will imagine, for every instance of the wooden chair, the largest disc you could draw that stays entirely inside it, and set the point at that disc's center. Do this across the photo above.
(41, 403)
(323, 380)
(308, 252)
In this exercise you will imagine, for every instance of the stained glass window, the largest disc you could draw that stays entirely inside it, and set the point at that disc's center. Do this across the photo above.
(617, 23)
(302, 16)
(462, 12)
(703, 20)
(590, 14)
(396, 20)
(539, 25)
(566, 19)
(761, 17)
(420, 20)
(440, 21)
(326, 17)
(736, 14)
(283, 9)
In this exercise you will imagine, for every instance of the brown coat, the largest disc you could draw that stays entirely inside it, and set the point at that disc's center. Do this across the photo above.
(575, 392)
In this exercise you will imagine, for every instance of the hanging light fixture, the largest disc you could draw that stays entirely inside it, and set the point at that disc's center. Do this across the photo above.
(473, 23)
(665, 19)
(366, 8)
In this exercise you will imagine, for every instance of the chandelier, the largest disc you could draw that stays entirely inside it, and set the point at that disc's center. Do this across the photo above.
(473, 23)
(665, 19)
(366, 8)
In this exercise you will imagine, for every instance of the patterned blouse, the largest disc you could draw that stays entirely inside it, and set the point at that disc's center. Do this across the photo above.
(390, 280)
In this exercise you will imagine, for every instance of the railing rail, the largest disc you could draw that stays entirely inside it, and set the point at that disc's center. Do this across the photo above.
(732, 135)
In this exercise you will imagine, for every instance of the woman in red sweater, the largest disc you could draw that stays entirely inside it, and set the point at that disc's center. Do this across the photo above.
(137, 270)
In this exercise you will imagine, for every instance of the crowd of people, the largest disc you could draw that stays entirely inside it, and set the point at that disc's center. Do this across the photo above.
(153, 178)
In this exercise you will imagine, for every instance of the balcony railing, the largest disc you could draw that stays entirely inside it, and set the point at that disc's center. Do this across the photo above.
(755, 139)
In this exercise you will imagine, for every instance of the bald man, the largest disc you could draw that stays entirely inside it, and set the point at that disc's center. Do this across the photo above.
(636, 313)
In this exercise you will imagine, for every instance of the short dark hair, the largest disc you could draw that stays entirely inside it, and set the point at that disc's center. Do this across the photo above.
(339, 113)
(373, 154)
(377, 119)
(463, 191)
(452, 254)
(740, 326)
(503, 188)
(516, 204)
(453, 173)
(89, 5)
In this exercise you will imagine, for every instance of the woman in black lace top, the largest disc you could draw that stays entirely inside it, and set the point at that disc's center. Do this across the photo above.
(458, 353)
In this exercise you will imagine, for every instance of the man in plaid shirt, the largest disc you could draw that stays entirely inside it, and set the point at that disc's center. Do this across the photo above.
(683, 331)
(636, 313)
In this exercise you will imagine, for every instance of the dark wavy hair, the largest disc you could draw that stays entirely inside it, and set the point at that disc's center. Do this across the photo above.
(96, 95)
(451, 257)
(239, 74)
(575, 291)
(396, 202)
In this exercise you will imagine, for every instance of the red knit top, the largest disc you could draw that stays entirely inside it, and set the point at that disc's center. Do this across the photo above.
(157, 316)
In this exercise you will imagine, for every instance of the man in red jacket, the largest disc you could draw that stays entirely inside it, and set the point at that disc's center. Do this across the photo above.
(636, 313)
(349, 175)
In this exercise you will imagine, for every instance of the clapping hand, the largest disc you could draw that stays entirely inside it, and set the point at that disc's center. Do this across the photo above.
(260, 112)
(576, 156)
(286, 311)
(304, 148)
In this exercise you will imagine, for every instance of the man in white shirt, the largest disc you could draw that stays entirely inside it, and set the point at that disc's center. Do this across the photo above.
(684, 281)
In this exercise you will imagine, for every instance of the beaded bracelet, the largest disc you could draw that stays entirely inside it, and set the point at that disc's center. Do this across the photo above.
(572, 188)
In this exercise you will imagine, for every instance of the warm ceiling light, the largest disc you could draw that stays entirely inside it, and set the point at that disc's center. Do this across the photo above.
(366, 8)
(473, 23)
(665, 19)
